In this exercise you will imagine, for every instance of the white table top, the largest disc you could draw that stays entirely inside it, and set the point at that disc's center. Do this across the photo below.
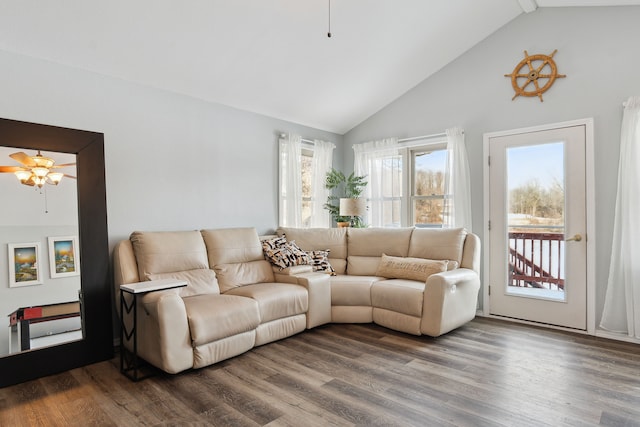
(152, 285)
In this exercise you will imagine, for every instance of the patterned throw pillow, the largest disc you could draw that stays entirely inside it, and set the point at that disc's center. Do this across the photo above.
(320, 261)
(284, 254)
(273, 243)
(302, 258)
(409, 268)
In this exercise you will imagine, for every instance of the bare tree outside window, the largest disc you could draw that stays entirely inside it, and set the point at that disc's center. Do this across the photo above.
(429, 185)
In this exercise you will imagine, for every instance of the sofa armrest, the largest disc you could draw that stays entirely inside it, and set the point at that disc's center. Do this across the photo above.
(164, 339)
(292, 271)
(450, 300)
(318, 287)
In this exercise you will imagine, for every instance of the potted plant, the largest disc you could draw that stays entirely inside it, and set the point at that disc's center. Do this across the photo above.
(344, 187)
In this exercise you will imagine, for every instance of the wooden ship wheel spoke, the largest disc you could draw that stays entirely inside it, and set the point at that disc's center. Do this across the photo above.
(530, 70)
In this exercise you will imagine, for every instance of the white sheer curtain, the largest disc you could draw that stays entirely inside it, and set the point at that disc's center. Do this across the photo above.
(380, 162)
(458, 182)
(622, 301)
(290, 212)
(321, 164)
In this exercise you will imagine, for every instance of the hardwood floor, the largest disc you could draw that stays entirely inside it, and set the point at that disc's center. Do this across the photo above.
(487, 373)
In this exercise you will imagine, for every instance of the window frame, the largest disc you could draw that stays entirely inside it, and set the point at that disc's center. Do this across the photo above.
(411, 198)
(306, 150)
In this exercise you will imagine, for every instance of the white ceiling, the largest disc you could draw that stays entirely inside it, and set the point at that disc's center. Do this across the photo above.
(271, 57)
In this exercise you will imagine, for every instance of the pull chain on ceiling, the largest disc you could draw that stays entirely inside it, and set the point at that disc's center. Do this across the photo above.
(329, 33)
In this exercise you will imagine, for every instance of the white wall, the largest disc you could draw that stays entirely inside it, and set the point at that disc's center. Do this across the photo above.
(172, 162)
(597, 50)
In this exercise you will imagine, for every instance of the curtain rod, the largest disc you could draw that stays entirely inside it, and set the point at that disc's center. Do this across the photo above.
(308, 141)
(417, 138)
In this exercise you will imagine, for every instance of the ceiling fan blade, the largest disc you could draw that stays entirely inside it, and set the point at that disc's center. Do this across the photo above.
(64, 165)
(23, 158)
(70, 176)
(11, 169)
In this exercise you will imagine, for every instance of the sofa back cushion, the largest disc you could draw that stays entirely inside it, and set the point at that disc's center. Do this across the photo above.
(174, 254)
(236, 256)
(438, 243)
(321, 239)
(365, 246)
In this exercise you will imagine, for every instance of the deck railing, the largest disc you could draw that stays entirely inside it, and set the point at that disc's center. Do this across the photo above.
(536, 259)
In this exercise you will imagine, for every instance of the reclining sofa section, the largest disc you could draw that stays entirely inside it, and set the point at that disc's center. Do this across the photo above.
(236, 299)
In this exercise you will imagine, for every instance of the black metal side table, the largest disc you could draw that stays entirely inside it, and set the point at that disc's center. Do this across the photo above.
(129, 360)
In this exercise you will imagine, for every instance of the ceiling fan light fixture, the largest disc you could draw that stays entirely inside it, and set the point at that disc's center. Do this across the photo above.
(55, 177)
(40, 172)
(42, 161)
(39, 181)
(23, 176)
(36, 170)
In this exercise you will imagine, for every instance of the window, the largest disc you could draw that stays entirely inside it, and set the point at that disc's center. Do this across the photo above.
(407, 185)
(423, 184)
(429, 201)
(303, 167)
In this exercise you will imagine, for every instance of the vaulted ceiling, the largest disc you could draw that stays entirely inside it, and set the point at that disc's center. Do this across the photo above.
(271, 57)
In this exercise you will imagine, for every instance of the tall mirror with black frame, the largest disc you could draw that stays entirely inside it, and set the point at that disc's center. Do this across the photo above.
(54, 290)
(39, 231)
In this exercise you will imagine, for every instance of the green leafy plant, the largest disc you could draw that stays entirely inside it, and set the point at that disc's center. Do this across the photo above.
(343, 186)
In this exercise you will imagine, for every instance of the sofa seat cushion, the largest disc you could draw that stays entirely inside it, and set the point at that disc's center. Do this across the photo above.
(399, 295)
(352, 290)
(213, 317)
(275, 300)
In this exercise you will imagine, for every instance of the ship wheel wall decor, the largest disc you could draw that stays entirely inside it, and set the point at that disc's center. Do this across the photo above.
(534, 75)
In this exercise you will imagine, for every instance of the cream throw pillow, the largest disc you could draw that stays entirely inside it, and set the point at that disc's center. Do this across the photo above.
(420, 269)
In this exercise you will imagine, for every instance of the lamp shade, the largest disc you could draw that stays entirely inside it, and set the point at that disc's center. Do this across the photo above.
(23, 176)
(55, 177)
(353, 207)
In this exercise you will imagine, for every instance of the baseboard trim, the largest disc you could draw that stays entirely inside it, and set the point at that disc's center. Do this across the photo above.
(601, 333)
(527, 322)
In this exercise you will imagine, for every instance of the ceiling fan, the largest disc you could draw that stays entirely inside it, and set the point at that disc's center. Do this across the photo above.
(36, 170)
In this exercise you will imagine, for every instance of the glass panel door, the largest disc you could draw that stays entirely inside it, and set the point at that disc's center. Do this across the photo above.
(537, 212)
(535, 203)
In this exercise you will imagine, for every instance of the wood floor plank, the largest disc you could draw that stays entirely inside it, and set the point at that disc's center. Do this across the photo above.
(290, 406)
(487, 373)
(286, 400)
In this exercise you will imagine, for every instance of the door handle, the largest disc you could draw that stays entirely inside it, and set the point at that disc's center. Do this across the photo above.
(575, 238)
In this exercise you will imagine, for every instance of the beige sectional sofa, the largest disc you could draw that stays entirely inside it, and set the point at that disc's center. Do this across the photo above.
(235, 299)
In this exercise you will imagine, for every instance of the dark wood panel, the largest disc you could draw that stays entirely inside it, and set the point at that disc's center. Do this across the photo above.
(487, 373)
(97, 344)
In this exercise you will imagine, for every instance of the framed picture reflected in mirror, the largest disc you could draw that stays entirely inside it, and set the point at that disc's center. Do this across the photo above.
(63, 256)
(24, 264)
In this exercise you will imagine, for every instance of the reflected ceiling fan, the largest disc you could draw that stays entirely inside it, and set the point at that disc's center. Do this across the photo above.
(36, 170)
